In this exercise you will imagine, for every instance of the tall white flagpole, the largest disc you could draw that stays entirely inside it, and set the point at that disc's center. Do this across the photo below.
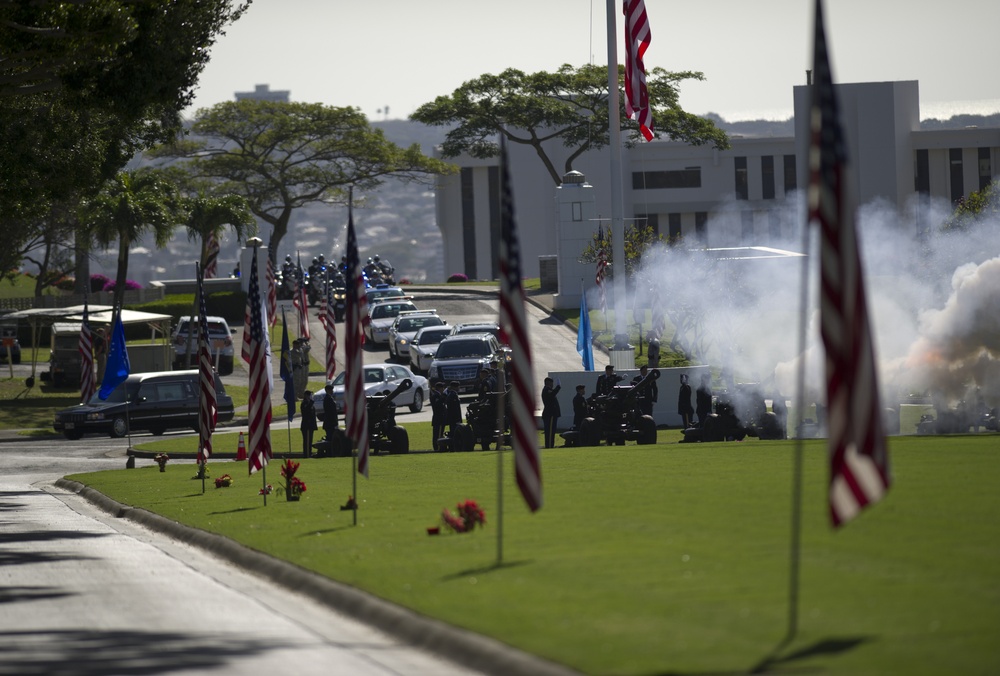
(617, 209)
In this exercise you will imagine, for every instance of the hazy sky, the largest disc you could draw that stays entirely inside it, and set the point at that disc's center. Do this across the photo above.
(402, 53)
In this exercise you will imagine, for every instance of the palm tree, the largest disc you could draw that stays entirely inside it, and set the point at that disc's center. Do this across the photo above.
(129, 206)
(208, 216)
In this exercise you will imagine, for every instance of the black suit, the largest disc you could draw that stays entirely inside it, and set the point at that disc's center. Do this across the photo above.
(550, 413)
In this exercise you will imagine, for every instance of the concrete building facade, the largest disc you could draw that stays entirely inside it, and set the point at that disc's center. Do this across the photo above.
(744, 196)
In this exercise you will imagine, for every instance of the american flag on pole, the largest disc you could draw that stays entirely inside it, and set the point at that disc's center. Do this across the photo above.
(211, 268)
(257, 354)
(636, 43)
(329, 319)
(514, 332)
(88, 384)
(272, 290)
(355, 404)
(207, 402)
(301, 303)
(602, 268)
(859, 459)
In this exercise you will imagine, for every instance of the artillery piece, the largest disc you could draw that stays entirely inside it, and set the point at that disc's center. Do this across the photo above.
(384, 435)
(481, 421)
(617, 417)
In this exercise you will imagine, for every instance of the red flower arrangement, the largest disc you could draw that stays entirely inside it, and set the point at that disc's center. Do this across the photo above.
(266, 490)
(294, 487)
(224, 481)
(469, 515)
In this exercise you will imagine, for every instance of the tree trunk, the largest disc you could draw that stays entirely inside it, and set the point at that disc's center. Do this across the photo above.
(119, 293)
(81, 271)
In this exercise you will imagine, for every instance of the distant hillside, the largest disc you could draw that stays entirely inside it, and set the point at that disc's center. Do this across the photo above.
(780, 128)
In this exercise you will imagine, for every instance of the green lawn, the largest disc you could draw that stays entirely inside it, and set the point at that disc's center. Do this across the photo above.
(645, 559)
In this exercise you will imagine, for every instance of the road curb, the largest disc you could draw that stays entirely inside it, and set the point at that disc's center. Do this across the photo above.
(472, 650)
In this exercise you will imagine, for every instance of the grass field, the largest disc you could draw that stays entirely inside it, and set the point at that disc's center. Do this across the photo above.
(647, 559)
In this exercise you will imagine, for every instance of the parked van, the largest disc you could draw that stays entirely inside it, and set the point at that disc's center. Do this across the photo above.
(153, 402)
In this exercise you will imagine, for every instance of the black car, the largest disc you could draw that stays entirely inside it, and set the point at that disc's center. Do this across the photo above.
(153, 402)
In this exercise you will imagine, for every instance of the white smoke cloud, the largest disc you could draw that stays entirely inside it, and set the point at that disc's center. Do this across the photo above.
(934, 302)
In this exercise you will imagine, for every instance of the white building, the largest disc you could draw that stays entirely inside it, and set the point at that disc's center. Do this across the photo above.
(736, 197)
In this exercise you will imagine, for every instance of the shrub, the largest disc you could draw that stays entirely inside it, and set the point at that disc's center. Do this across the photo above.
(66, 284)
(458, 277)
(130, 285)
(98, 282)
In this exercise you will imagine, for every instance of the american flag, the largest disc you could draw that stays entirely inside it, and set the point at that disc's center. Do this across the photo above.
(257, 354)
(272, 289)
(301, 303)
(211, 256)
(207, 403)
(859, 459)
(602, 268)
(636, 43)
(355, 404)
(514, 332)
(329, 319)
(87, 381)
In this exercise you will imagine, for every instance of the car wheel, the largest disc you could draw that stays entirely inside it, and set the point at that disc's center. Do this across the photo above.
(418, 401)
(225, 367)
(73, 435)
(399, 440)
(119, 427)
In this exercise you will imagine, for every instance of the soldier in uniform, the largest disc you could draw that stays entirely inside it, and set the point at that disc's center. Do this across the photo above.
(439, 413)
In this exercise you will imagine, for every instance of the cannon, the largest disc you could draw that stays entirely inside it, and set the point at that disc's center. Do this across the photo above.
(384, 435)
(481, 421)
(617, 417)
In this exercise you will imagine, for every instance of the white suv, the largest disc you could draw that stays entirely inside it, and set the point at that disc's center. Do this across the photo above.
(220, 335)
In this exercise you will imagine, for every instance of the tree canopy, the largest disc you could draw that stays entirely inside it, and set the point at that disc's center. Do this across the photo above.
(86, 85)
(281, 156)
(570, 105)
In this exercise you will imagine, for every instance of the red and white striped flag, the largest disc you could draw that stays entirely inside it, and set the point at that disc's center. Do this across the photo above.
(355, 403)
(636, 43)
(257, 354)
(330, 324)
(211, 265)
(207, 402)
(859, 459)
(602, 268)
(88, 383)
(301, 303)
(272, 290)
(514, 332)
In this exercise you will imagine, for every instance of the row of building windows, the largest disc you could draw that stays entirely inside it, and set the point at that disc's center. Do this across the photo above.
(956, 174)
(690, 177)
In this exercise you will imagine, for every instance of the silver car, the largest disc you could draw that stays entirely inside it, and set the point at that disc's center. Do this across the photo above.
(405, 328)
(381, 315)
(424, 345)
(379, 379)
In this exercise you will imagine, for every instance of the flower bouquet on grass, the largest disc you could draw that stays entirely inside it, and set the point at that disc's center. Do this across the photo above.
(469, 515)
(224, 481)
(294, 487)
(161, 460)
(351, 504)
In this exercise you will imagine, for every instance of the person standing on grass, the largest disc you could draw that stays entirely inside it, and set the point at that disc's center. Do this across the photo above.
(579, 406)
(550, 411)
(439, 413)
(652, 394)
(308, 409)
(454, 405)
(684, 408)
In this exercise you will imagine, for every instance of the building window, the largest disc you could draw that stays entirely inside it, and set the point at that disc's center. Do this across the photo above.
(985, 168)
(742, 185)
(922, 173)
(577, 211)
(468, 224)
(651, 220)
(689, 177)
(767, 176)
(791, 179)
(747, 219)
(701, 226)
(675, 227)
(957, 185)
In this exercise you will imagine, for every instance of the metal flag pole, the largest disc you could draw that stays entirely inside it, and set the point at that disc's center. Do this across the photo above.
(354, 480)
(620, 339)
(501, 408)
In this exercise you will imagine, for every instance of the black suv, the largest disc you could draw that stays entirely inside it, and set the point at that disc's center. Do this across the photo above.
(461, 358)
(155, 402)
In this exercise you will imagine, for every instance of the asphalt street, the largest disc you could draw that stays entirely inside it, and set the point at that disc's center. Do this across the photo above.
(89, 591)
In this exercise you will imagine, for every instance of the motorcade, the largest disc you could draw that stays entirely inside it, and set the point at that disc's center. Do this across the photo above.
(381, 315)
(153, 402)
(381, 379)
(220, 335)
(460, 358)
(405, 327)
(385, 291)
(424, 345)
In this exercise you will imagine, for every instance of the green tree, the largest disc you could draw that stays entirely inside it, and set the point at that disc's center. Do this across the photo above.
(980, 205)
(281, 156)
(570, 105)
(638, 239)
(86, 85)
(209, 217)
(131, 205)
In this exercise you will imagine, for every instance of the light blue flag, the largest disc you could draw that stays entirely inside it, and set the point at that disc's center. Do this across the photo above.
(584, 336)
(117, 368)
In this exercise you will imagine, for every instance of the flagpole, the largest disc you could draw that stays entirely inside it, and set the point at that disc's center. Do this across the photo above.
(620, 338)
(501, 408)
(354, 481)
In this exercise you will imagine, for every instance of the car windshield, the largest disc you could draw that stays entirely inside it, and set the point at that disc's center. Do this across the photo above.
(372, 375)
(117, 395)
(389, 310)
(433, 337)
(214, 328)
(455, 349)
(416, 323)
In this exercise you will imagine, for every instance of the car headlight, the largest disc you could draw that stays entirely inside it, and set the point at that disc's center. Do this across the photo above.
(402, 342)
(95, 416)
